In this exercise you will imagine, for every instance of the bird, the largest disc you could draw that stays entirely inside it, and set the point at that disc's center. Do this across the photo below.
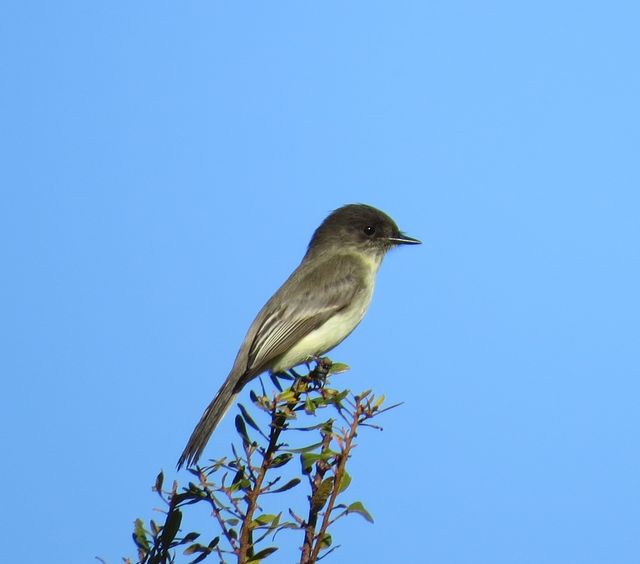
(316, 308)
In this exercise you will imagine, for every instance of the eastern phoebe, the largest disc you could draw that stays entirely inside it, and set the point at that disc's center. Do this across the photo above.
(313, 311)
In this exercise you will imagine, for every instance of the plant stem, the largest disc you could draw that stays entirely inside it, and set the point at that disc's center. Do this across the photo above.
(337, 480)
(314, 510)
(245, 549)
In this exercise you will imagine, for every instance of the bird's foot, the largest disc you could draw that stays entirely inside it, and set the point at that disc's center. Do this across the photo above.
(320, 371)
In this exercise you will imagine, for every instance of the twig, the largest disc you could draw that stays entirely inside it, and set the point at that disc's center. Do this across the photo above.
(246, 536)
(314, 509)
(337, 480)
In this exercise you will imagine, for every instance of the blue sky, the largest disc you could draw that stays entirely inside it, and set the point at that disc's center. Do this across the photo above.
(163, 166)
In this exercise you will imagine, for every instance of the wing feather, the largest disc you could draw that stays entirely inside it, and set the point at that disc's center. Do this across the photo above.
(336, 280)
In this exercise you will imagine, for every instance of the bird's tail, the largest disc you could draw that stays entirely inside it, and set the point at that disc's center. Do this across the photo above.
(208, 422)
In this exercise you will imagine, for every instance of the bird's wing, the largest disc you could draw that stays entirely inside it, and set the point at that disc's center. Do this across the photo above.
(336, 282)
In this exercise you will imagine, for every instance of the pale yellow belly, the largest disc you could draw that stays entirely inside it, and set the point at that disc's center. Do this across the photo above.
(324, 338)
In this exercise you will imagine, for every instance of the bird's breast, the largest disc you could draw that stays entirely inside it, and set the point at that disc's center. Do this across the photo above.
(330, 334)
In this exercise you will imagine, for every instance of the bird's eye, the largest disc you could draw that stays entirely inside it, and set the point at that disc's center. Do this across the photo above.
(369, 230)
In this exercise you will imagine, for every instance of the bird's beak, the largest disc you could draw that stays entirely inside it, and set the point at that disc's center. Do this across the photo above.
(403, 239)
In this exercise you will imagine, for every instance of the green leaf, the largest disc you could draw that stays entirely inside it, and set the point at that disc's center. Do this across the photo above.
(325, 541)
(309, 406)
(344, 482)
(203, 550)
(322, 494)
(290, 484)
(159, 481)
(190, 537)
(239, 476)
(288, 396)
(140, 535)
(342, 395)
(307, 448)
(335, 397)
(281, 460)
(263, 554)
(247, 417)
(308, 459)
(357, 507)
(376, 405)
(265, 518)
(288, 525)
(276, 382)
(338, 368)
(242, 429)
(194, 548)
(200, 558)
(171, 526)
